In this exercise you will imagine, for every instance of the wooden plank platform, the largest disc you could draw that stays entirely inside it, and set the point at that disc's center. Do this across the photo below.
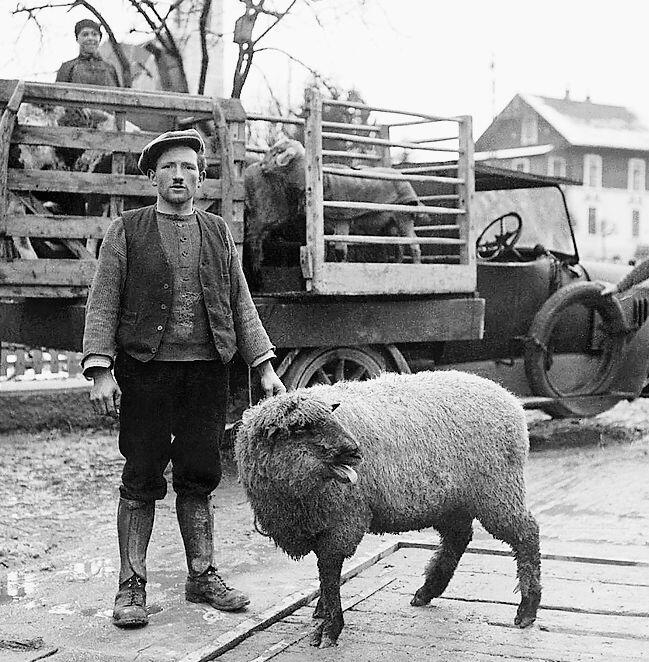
(592, 609)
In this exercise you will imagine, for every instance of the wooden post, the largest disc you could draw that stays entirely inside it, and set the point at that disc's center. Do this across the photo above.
(54, 360)
(227, 161)
(6, 129)
(386, 159)
(118, 168)
(465, 191)
(237, 133)
(314, 253)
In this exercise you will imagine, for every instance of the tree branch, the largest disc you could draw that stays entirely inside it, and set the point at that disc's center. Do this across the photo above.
(205, 56)
(278, 19)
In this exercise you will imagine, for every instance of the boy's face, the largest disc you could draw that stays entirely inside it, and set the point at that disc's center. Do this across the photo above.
(88, 40)
(176, 175)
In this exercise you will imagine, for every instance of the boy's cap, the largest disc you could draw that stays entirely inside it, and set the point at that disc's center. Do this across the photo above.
(151, 153)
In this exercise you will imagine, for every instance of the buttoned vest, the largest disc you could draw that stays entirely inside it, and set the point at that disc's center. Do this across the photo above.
(148, 289)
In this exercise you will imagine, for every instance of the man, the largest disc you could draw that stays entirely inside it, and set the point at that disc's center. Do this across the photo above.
(170, 302)
(88, 68)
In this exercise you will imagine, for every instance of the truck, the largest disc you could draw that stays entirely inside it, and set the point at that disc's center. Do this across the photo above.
(490, 281)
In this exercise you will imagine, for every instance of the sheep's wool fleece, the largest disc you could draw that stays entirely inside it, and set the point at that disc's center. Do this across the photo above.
(432, 443)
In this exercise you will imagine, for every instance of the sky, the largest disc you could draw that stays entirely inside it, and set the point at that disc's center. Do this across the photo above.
(448, 58)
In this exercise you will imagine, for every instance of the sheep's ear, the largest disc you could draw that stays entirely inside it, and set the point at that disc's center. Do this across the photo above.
(285, 157)
(334, 406)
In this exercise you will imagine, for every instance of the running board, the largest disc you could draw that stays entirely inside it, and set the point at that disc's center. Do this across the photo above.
(535, 401)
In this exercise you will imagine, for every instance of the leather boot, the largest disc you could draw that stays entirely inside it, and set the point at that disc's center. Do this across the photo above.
(203, 581)
(134, 525)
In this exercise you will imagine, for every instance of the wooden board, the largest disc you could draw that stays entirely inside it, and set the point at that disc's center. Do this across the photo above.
(391, 278)
(106, 141)
(297, 323)
(593, 610)
(78, 273)
(103, 184)
(116, 99)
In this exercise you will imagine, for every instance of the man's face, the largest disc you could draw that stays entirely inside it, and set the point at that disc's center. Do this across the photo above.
(176, 175)
(88, 40)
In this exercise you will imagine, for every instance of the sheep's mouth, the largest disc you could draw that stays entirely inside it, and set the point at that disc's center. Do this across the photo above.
(344, 471)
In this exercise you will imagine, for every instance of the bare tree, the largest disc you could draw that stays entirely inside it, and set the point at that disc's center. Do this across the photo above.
(163, 18)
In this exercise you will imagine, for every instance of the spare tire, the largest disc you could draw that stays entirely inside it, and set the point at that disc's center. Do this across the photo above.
(573, 348)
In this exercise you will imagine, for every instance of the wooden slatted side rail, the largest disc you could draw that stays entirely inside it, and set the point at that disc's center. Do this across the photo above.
(18, 360)
(442, 217)
(447, 231)
(24, 220)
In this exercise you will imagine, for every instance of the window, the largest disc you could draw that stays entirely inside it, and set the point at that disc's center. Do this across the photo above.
(635, 223)
(557, 166)
(522, 165)
(529, 130)
(592, 220)
(593, 170)
(636, 180)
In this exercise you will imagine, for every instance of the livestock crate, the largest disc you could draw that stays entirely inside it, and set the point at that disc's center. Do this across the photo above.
(53, 255)
(442, 225)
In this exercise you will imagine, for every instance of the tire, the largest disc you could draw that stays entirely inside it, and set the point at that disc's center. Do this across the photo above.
(327, 365)
(573, 349)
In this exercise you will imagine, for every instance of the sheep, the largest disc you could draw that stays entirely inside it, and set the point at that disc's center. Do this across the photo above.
(275, 190)
(323, 465)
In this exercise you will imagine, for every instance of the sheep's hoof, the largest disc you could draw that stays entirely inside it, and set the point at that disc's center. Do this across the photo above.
(316, 636)
(526, 613)
(328, 641)
(420, 598)
(319, 611)
(524, 622)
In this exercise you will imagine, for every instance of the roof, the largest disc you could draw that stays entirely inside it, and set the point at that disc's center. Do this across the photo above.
(513, 152)
(492, 178)
(588, 124)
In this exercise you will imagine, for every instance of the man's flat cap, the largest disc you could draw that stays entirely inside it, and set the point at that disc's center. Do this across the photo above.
(151, 153)
(86, 23)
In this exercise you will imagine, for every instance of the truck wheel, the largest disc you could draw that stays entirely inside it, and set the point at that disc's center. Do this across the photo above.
(573, 348)
(327, 365)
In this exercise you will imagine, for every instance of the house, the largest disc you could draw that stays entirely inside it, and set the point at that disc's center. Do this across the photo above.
(606, 147)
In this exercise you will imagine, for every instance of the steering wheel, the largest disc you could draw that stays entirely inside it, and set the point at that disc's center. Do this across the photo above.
(504, 239)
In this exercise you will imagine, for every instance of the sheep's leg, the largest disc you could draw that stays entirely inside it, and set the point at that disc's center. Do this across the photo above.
(456, 535)
(406, 228)
(341, 249)
(521, 533)
(329, 607)
(415, 248)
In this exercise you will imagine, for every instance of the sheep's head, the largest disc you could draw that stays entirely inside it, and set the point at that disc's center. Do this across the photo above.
(298, 439)
(285, 159)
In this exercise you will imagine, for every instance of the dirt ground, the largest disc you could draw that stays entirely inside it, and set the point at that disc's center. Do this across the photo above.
(58, 497)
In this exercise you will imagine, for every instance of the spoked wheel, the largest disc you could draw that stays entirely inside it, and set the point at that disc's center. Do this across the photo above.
(573, 348)
(333, 364)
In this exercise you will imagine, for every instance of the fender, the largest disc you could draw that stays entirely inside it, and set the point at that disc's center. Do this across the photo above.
(631, 374)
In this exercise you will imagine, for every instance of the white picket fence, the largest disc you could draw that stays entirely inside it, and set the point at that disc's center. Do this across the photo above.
(26, 363)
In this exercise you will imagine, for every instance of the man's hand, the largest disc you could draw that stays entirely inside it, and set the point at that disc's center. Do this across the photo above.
(271, 384)
(105, 393)
(609, 288)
